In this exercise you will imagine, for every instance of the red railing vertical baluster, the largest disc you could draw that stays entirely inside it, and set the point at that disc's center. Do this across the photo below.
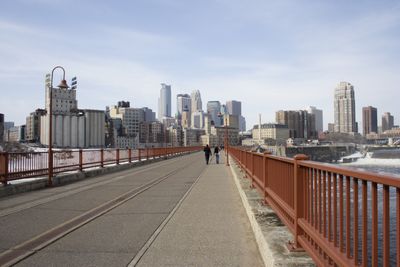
(312, 192)
(245, 163)
(398, 226)
(341, 213)
(386, 227)
(316, 199)
(374, 225)
(139, 157)
(252, 168)
(324, 202)
(102, 158)
(355, 221)
(320, 173)
(4, 158)
(335, 215)
(117, 156)
(307, 195)
(298, 196)
(329, 207)
(80, 160)
(264, 174)
(364, 224)
(130, 155)
(348, 245)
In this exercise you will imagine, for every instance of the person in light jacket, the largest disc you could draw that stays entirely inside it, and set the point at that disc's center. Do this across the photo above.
(216, 153)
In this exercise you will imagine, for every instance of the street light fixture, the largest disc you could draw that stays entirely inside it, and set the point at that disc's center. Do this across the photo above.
(63, 85)
(225, 120)
(226, 141)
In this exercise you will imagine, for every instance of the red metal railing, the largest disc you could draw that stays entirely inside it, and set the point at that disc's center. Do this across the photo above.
(341, 217)
(14, 166)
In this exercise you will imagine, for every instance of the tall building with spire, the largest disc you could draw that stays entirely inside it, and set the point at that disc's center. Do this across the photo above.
(197, 105)
(164, 102)
(345, 108)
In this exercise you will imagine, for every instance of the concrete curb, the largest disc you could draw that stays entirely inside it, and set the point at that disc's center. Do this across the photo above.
(62, 178)
(270, 233)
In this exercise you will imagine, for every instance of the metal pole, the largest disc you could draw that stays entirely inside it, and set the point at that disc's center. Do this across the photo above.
(50, 113)
(226, 142)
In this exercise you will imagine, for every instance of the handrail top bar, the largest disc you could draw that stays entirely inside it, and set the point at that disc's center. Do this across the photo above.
(288, 160)
(385, 179)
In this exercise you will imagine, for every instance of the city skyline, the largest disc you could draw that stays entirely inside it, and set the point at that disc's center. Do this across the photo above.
(270, 56)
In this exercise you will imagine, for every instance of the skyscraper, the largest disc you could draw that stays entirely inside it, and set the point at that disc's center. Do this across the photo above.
(1, 127)
(183, 103)
(149, 115)
(32, 126)
(164, 102)
(235, 108)
(370, 120)
(214, 109)
(197, 105)
(300, 123)
(318, 118)
(387, 121)
(130, 118)
(345, 108)
(197, 119)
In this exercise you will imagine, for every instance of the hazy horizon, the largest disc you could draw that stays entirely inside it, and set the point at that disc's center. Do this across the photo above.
(270, 55)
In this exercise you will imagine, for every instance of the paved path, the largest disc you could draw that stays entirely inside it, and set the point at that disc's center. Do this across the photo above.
(210, 228)
(178, 212)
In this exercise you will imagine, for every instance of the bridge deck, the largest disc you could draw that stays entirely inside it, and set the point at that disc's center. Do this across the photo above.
(178, 212)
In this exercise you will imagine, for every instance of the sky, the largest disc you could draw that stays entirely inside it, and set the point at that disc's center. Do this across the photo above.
(270, 55)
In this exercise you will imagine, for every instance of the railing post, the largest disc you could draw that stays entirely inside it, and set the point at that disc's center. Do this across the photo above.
(245, 163)
(4, 167)
(130, 155)
(80, 160)
(265, 175)
(241, 160)
(298, 200)
(102, 158)
(139, 158)
(147, 153)
(252, 169)
(117, 156)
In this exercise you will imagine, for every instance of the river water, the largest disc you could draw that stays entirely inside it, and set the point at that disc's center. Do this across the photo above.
(389, 167)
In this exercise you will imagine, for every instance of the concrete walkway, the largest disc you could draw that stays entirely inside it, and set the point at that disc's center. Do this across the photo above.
(209, 227)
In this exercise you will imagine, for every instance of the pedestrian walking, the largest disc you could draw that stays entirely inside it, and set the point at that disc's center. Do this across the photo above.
(207, 153)
(216, 153)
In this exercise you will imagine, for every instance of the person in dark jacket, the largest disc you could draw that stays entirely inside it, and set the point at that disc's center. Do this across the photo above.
(216, 153)
(207, 153)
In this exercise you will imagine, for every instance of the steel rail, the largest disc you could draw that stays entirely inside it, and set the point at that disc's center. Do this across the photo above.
(31, 204)
(345, 217)
(28, 248)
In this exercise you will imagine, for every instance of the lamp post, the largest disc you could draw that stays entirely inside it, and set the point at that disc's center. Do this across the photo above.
(226, 141)
(225, 121)
(63, 85)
